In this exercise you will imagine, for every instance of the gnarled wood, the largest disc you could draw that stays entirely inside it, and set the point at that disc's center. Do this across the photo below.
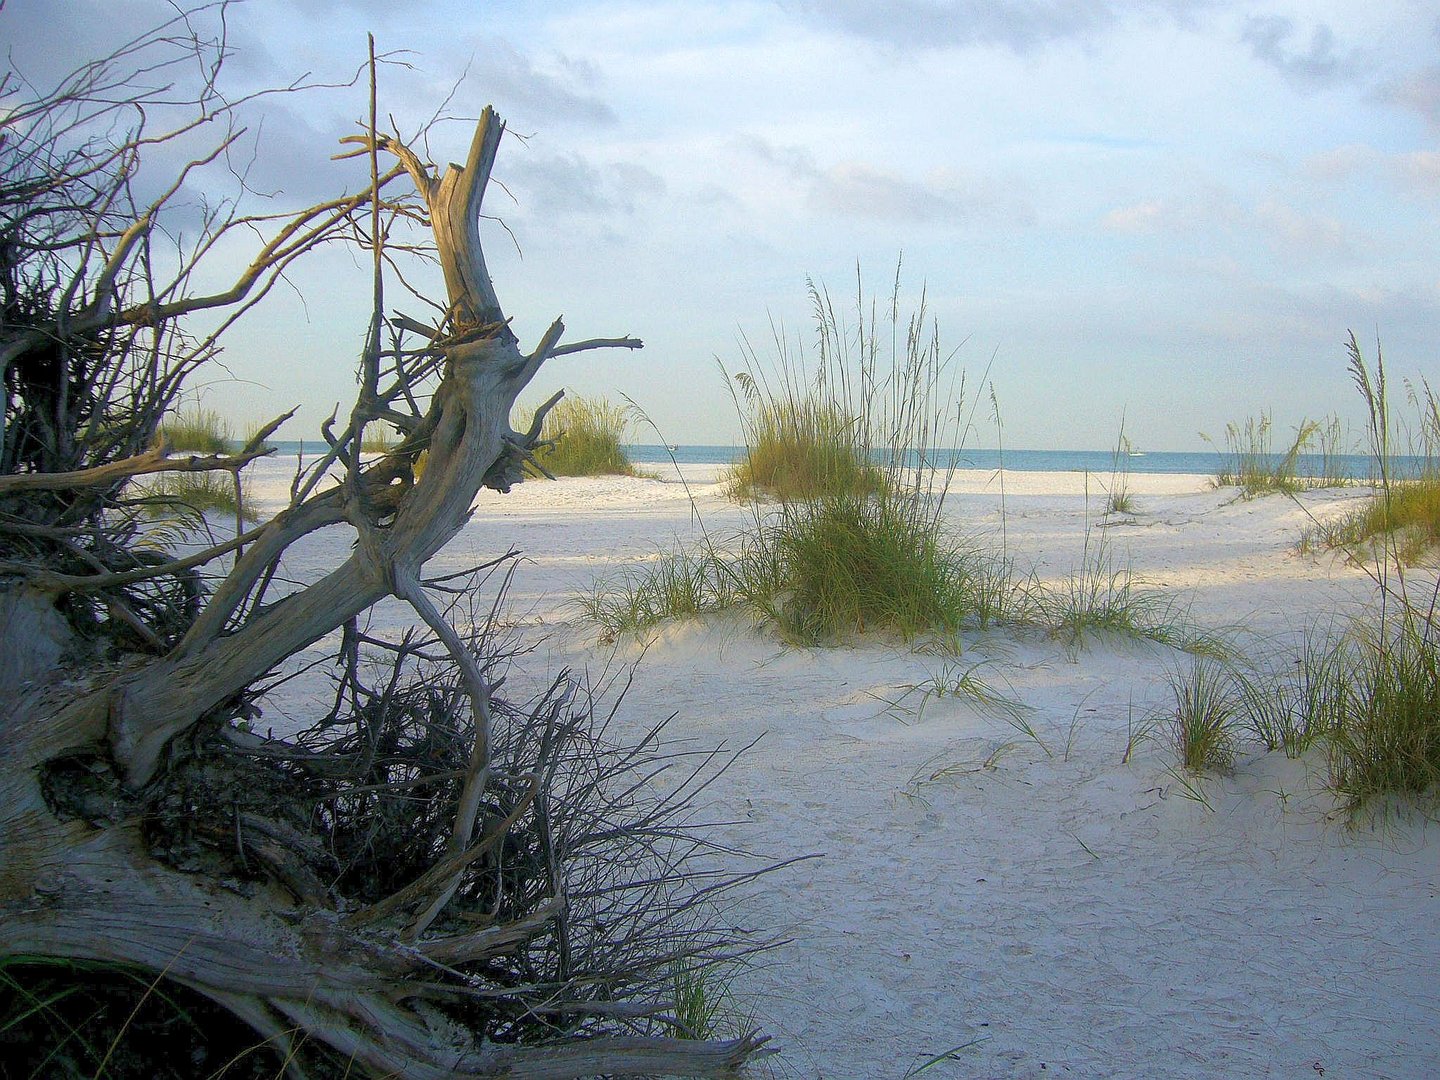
(102, 765)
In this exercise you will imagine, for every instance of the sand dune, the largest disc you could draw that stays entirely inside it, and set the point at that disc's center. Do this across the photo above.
(1033, 903)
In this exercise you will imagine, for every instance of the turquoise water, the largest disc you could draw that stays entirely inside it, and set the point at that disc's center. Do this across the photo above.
(1203, 463)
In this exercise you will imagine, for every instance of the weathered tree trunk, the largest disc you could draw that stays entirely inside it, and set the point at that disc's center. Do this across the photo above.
(85, 748)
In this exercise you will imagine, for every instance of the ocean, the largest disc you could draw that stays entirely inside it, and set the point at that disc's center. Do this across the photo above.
(1102, 462)
(1202, 463)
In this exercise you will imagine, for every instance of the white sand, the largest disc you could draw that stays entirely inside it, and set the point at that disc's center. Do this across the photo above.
(1049, 910)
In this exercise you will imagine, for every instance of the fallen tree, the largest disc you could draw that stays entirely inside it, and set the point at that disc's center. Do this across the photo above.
(433, 881)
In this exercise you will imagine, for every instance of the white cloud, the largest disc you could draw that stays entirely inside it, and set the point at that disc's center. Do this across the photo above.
(570, 184)
(861, 191)
(1420, 170)
(1300, 234)
(1020, 25)
(1141, 217)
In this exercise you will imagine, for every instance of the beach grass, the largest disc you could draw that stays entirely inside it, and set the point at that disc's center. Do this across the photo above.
(195, 431)
(70, 1018)
(1387, 739)
(585, 437)
(852, 564)
(1203, 725)
(1292, 702)
(1400, 524)
(846, 533)
(1404, 516)
(191, 495)
(379, 439)
(800, 448)
(1105, 599)
(1251, 462)
(1370, 695)
(1118, 500)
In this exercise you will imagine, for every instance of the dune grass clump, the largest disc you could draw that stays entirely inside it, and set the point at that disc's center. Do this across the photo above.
(853, 564)
(1118, 500)
(1203, 726)
(846, 534)
(1290, 703)
(586, 437)
(379, 439)
(1251, 463)
(186, 498)
(1387, 740)
(1405, 516)
(1402, 521)
(1370, 696)
(196, 431)
(845, 445)
(798, 449)
(674, 585)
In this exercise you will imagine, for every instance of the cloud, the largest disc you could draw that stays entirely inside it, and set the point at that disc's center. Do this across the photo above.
(1302, 234)
(859, 190)
(1282, 229)
(1420, 171)
(1420, 92)
(570, 185)
(1020, 25)
(1338, 164)
(515, 82)
(1142, 217)
(1317, 68)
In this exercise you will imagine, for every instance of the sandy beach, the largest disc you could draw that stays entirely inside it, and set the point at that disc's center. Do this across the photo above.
(1028, 904)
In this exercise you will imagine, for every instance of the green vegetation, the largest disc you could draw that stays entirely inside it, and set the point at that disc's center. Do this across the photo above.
(1404, 516)
(1386, 740)
(1118, 500)
(705, 1006)
(1203, 726)
(854, 542)
(191, 494)
(379, 439)
(848, 535)
(803, 449)
(1102, 599)
(1401, 523)
(852, 564)
(1370, 696)
(196, 431)
(1251, 463)
(586, 437)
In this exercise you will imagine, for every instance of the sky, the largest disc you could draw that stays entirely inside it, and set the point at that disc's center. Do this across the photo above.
(1166, 214)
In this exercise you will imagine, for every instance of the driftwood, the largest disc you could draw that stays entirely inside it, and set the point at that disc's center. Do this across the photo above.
(130, 830)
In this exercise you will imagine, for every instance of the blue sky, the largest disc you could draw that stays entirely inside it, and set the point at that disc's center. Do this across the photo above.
(1171, 210)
